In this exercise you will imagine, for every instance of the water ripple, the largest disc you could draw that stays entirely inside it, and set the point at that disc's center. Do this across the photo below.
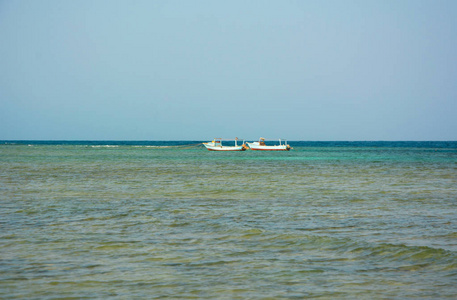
(145, 222)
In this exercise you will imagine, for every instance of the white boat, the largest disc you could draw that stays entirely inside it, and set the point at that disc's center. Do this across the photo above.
(260, 145)
(216, 145)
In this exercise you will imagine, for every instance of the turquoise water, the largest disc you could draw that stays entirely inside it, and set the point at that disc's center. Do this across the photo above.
(170, 220)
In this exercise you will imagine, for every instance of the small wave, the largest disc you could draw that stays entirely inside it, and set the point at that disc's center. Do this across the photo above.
(153, 146)
(105, 146)
(415, 255)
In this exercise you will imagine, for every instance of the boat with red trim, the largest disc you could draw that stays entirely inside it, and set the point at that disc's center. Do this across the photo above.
(261, 145)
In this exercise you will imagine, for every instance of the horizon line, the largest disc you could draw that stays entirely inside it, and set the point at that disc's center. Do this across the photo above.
(184, 140)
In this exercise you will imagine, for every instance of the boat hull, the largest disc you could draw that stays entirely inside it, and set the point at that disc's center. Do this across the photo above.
(224, 148)
(269, 148)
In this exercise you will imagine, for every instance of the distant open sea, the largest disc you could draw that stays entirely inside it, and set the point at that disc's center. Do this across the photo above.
(169, 219)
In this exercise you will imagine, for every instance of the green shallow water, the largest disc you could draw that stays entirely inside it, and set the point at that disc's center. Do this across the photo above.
(126, 221)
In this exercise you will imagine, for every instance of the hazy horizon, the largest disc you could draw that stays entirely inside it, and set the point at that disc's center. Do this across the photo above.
(247, 140)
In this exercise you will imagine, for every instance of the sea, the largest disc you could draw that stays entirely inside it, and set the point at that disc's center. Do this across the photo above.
(172, 220)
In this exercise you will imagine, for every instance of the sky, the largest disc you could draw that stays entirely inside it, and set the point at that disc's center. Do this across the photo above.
(195, 70)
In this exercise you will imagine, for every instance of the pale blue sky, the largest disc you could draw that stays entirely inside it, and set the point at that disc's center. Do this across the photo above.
(194, 70)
